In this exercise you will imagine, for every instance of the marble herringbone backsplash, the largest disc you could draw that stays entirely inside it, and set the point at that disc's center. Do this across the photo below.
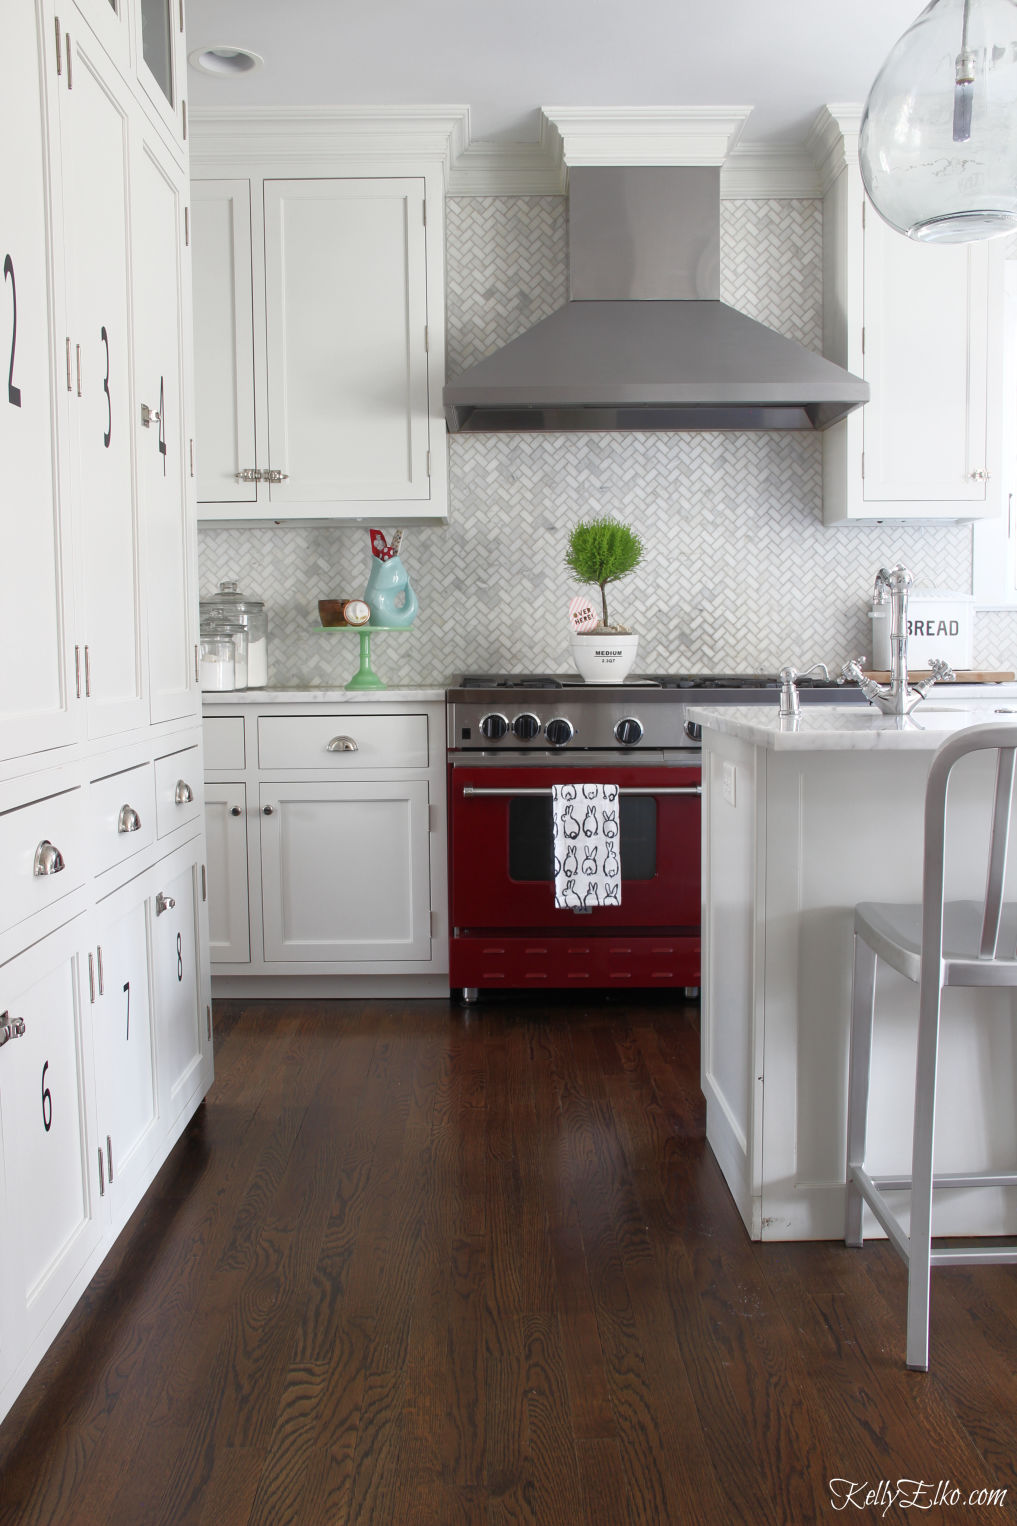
(740, 572)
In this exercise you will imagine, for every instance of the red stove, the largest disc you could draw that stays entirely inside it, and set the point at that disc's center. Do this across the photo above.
(510, 738)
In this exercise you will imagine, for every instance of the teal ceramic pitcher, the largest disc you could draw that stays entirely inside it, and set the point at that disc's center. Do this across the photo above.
(392, 600)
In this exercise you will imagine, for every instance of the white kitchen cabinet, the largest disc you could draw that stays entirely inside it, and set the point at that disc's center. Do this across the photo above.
(182, 1002)
(123, 1053)
(95, 131)
(163, 442)
(343, 890)
(229, 926)
(922, 325)
(37, 698)
(224, 340)
(345, 871)
(319, 338)
(51, 1227)
(98, 565)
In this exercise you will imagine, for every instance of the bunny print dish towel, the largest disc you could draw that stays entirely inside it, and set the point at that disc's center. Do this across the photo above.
(587, 868)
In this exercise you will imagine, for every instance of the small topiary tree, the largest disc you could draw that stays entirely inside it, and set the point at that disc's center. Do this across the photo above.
(601, 551)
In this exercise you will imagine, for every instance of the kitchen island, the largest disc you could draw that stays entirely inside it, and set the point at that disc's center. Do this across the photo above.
(802, 819)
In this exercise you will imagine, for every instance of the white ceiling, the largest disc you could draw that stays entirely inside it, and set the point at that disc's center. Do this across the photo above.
(504, 60)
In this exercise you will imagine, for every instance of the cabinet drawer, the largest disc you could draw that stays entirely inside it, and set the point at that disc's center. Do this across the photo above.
(59, 820)
(122, 814)
(223, 736)
(177, 790)
(380, 741)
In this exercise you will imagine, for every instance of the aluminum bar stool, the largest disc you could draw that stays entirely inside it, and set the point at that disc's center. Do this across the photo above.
(936, 944)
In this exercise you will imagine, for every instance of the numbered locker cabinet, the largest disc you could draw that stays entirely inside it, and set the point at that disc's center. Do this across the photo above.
(123, 1050)
(158, 286)
(51, 1228)
(37, 694)
(95, 152)
(181, 994)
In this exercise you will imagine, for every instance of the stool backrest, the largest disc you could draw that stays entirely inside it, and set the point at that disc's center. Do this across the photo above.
(1001, 738)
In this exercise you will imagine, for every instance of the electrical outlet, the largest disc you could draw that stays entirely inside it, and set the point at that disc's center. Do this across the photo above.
(728, 783)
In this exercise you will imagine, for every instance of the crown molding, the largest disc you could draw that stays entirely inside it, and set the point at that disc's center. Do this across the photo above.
(390, 134)
(756, 171)
(833, 141)
(642, 135)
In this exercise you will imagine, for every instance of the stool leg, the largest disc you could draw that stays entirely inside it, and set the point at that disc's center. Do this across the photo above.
(920, 1240)
(863, 1001)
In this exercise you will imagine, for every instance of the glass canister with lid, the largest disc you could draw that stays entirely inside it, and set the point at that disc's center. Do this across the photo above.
(229, 604)
(213, 627)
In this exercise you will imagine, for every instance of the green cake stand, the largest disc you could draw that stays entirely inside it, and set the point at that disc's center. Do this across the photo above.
(365, 677)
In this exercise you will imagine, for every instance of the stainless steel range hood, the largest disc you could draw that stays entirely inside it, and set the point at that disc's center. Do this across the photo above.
(644, 341)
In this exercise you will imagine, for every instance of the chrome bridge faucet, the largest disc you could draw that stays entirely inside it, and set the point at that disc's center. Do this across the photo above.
(898, 697)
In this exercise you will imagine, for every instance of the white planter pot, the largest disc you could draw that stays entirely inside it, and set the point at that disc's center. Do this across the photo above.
(603, 658)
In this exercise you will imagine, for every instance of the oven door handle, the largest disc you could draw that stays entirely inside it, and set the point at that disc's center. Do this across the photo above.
(664, 789)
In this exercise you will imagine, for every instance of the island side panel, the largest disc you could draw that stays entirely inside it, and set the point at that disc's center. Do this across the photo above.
(734, 809)
(837, 828)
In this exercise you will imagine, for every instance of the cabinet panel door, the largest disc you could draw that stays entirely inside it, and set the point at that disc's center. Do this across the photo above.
(926, 358)
(110, 21)
(94, 143)
(46, 1147)
(223, 339)
(157, 237)
(177, 992)
(126, 1117)
(229, 930)
(346, 308)
(345, 871)
(37, 690)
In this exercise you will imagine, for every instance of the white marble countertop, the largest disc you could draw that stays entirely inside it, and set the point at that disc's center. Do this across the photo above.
(858, 728)
(212, 702)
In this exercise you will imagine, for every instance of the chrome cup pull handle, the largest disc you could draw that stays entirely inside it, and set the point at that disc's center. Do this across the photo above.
(128, 820)
(10, 1028)
(341, 744)
(183, 794)
(48, 859)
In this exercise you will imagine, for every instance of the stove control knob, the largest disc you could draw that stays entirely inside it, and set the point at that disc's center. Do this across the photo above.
(559, 731)
(494, 727)
(526, 726)
(629, 731)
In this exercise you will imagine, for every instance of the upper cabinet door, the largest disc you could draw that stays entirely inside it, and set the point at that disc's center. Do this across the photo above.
(37, 692)
(168, 544)
(223, 340)
(926, 354)
(160, 60)
(110, 20)
(346, 314)
(95, 133)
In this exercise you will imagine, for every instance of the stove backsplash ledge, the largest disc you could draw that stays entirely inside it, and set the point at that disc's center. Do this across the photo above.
(739, 573)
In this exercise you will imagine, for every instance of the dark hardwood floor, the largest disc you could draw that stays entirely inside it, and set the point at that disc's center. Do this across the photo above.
(419, 1264)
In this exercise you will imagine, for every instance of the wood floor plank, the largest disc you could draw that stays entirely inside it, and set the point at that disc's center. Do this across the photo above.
(443, 1267)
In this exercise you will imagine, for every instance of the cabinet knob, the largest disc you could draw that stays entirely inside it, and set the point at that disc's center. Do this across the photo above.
(48, 859)
(10, 1028)
(235, 810)
(267, 810)
(128, 820)
(183, 794)
(341, 744)
(163, 903)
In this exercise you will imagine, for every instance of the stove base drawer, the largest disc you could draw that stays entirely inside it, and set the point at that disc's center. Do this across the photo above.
(570, 963)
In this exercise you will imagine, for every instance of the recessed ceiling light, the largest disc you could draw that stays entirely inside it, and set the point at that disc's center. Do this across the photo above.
(225, 60)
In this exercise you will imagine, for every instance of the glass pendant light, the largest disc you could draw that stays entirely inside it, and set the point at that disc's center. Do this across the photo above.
(938, 141)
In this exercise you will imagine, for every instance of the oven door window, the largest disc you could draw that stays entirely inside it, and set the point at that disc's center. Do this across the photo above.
(531, 856)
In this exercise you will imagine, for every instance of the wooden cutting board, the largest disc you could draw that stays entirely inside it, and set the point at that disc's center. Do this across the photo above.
(964, 676)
